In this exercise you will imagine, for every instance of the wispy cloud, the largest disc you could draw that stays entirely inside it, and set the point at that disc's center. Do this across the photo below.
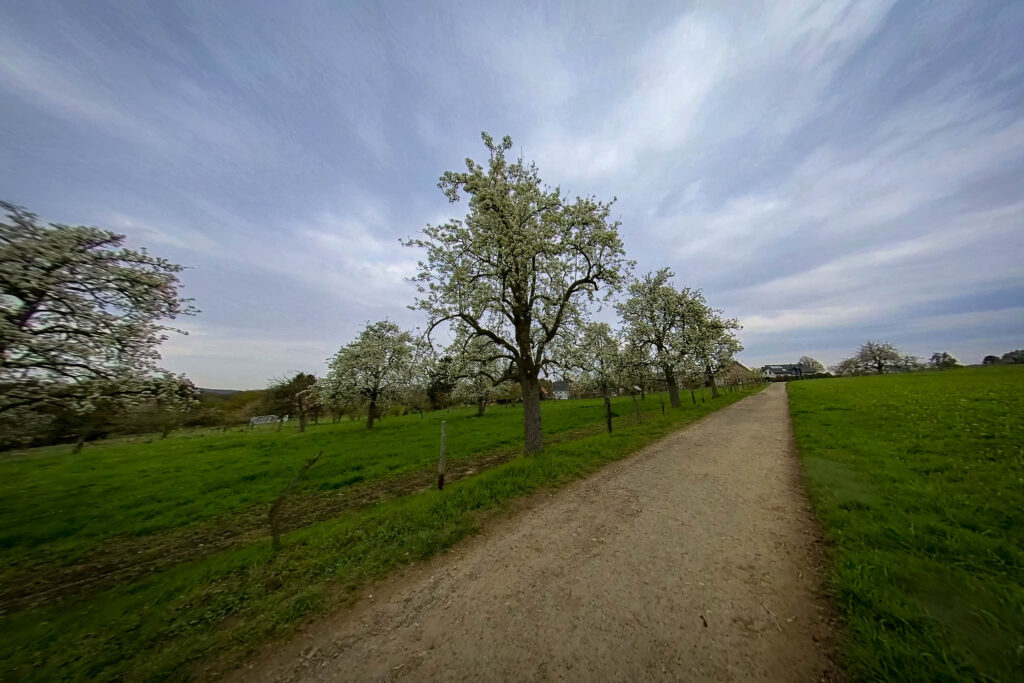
(826, 171)
(185, 239)
(711, 75)
(243, 358)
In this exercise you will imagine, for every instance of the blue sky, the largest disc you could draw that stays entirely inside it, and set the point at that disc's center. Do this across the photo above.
(826, 172)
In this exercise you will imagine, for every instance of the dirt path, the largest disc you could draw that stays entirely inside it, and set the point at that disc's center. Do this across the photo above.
(696, 559)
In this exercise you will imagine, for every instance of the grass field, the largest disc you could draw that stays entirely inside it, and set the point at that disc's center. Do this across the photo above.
(918, 480)
(150, 559)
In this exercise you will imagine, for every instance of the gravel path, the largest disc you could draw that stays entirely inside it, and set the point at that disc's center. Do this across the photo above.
(696, 559)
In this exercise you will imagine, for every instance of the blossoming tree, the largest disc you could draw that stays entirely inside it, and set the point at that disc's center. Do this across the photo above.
(373, 369)
(520, 267)
(81, 316)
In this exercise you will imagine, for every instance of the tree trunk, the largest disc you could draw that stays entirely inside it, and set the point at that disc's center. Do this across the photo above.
(534, 435)
(608, 410)
(481, 406)
(643, 392)
(714, 385)
(673, 387)
(165, 431)
(77, 448)
(302, 422)
(636, 408)
(371, 414)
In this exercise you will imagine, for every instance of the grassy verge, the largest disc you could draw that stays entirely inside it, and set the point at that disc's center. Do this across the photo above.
(919, 482)
(204, 616)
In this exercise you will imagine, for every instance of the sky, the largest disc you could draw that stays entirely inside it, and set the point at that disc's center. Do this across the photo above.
(826, 172)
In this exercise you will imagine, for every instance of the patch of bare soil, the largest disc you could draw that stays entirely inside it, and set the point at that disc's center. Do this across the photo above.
(697, 559)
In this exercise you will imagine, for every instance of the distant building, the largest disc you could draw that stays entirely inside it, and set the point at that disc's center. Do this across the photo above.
(560, 390)
(785, 370)
(735, 373)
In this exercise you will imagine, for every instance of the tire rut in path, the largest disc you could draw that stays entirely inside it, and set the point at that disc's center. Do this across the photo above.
(696, 559)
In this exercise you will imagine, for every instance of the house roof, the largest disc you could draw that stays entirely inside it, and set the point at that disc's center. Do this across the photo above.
(560, 385)
(785, 368)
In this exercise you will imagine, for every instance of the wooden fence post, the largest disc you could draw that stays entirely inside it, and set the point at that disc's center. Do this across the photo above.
(443, 460)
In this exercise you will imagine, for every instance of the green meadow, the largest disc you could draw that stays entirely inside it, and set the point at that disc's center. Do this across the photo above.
(918, 480)
(150, 559)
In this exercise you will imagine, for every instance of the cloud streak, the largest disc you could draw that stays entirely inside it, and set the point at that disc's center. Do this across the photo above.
(824, 171)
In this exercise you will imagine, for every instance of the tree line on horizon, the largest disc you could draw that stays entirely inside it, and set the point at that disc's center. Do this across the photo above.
(878, 358)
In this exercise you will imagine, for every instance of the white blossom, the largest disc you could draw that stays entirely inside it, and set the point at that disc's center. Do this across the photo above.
(522, 265)
(480, 370)
(81, 316)
(685, 335)
(373, 370)
(663, 320)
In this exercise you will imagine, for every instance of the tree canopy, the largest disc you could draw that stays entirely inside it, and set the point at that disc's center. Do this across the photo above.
(595, 357)
(673, 323)
(522, 265)
(81, 315)
(1014, 357)
(296, 395)
(942, 360)
(876, 358)
(479, 370)
(811, 366)
(714, 343)
(374, 368)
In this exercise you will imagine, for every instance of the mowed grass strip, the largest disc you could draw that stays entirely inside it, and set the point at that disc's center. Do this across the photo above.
(203, 616)
(919, 482)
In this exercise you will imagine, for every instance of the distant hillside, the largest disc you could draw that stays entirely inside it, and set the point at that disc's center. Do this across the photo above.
(220, 391)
